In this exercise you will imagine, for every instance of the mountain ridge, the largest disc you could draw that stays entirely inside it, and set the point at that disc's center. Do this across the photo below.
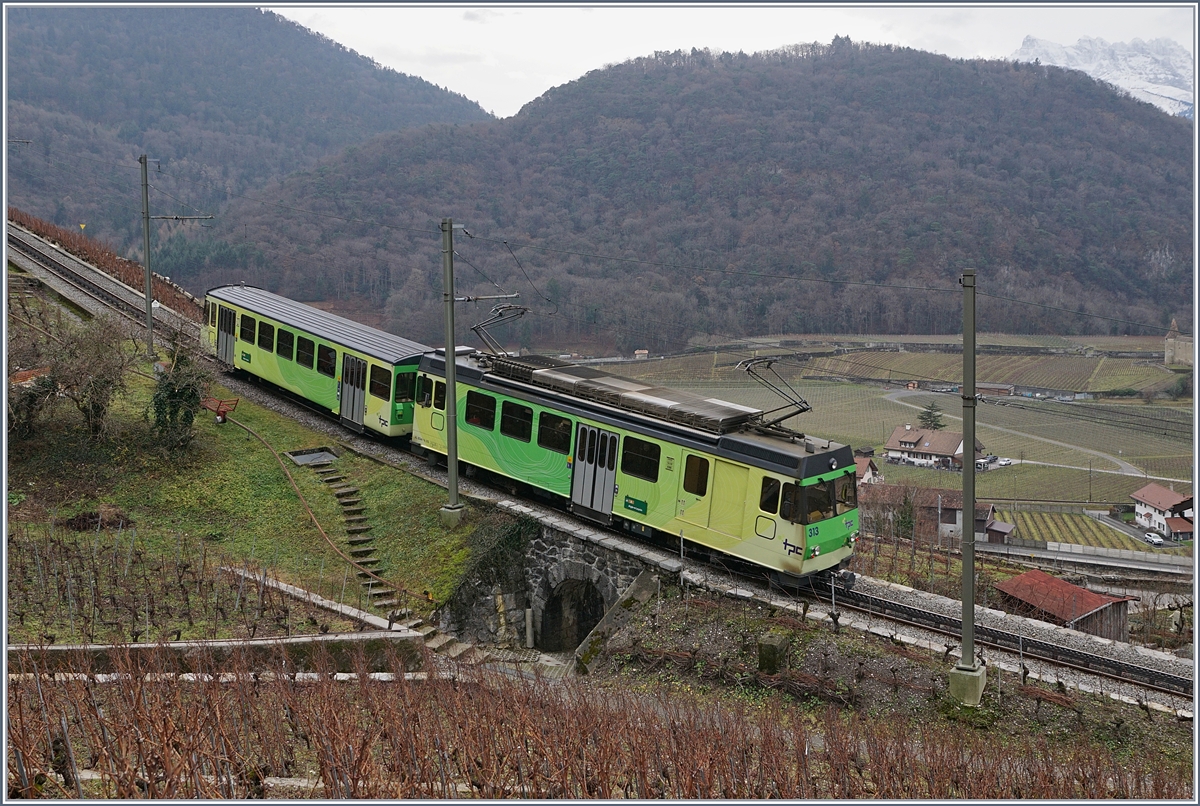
(1160, 72)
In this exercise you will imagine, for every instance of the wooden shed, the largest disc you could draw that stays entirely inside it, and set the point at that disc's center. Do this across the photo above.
(1039, 595)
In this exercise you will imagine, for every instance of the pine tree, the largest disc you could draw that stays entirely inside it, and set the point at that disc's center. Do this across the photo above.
(931, 417)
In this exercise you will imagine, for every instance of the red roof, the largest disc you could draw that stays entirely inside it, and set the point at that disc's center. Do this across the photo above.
(1064, 601)
(1158, 497)
(1177, 525)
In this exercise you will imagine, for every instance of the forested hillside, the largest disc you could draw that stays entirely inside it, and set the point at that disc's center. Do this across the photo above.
(815, 165)
(222, 98)
(809, 189)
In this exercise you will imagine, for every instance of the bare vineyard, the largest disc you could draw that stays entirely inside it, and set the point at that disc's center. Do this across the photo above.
(94, 586)
(497, 737)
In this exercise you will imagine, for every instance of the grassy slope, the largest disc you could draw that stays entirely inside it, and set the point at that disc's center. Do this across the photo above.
(231, 492)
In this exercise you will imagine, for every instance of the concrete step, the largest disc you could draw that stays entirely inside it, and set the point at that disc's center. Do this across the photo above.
(378, 594)
(350, 502)
(353, 519)
(475, 656)
(359, 541)
(352, 510)
(345, 492)
(438, 641)
(457, 649)
(362, 552)
(357, 530)
(367, 561)
(427, 631)
(324, 469)
(333, 479)
(385, 604)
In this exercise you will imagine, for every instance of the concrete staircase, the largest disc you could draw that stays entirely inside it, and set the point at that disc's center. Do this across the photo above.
(361, 547)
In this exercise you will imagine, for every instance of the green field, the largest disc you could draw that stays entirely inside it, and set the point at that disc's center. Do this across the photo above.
(1147, 436)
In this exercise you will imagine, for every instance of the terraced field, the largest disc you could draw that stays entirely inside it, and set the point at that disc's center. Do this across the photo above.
(1071, 372)
(1078, 529)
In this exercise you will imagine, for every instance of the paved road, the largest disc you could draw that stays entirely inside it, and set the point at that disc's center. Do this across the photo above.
(1126, 469)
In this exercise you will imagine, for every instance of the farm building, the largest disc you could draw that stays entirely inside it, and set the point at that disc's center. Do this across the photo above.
(994, 388)
(1039, 595)
(866, 471)
(923, 447)
(1153, 505)
(933, 511)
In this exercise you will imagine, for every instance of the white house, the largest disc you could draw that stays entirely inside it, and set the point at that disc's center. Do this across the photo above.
(1152, 507)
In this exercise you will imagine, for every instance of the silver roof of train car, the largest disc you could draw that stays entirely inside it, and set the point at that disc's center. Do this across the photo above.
(672, 405)
(330, 327)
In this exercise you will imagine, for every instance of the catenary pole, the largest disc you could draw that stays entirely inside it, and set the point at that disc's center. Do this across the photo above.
(451, 358)
(968, 678)
(968, 538)
(146, 257)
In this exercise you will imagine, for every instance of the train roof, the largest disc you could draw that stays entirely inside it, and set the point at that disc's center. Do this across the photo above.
(328, 326)
(728, 428)
(672, 405)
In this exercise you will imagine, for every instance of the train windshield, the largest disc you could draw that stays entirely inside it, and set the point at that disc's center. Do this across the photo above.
(820, 501)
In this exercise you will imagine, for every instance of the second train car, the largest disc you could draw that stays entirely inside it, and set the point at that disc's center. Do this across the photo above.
(365, 376)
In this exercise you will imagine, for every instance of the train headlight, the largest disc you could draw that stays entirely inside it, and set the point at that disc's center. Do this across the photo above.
(833, 464)
(816, 551)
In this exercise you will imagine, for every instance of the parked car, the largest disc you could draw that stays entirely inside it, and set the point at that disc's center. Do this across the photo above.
(1004, 462)
(991, 458)
(1153, 539)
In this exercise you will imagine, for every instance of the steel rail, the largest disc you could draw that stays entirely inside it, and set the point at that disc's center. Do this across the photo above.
(1036, 648)
(73, 277)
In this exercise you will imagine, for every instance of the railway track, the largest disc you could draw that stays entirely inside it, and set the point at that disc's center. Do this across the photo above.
(97, 288)
(1027, 646)
(28, 247)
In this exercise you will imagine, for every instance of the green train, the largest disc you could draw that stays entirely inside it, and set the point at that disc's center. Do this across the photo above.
(365, 376)
(653, 461)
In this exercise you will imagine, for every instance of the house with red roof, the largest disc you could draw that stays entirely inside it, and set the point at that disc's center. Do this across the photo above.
(866, 471)
(1036, 594)
(1153, 505)
(925, 447)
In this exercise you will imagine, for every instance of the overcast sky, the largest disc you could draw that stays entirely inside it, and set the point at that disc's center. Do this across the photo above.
(504, 56)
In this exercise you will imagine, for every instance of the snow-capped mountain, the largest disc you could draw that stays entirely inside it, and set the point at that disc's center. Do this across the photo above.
(1160, 71)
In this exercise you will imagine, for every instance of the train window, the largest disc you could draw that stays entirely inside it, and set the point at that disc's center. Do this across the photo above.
(326, 360)
(405, 382)
(439, 395)
(266, 336)
(695, 475)
(554, 432)
(640, 458)
(305, 350)
(284, 342)
(847, 493)
(481, 410)
(818, 503)
(210, 313)
(516, 421)
(768, 501)
(789, 507)
(248, 323)
(612, 452)
(381, 382)
(425, 390)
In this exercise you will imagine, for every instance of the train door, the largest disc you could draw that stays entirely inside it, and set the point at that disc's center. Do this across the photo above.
(592, 487)
(694, 498)
(226, 321)
(354, 392)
